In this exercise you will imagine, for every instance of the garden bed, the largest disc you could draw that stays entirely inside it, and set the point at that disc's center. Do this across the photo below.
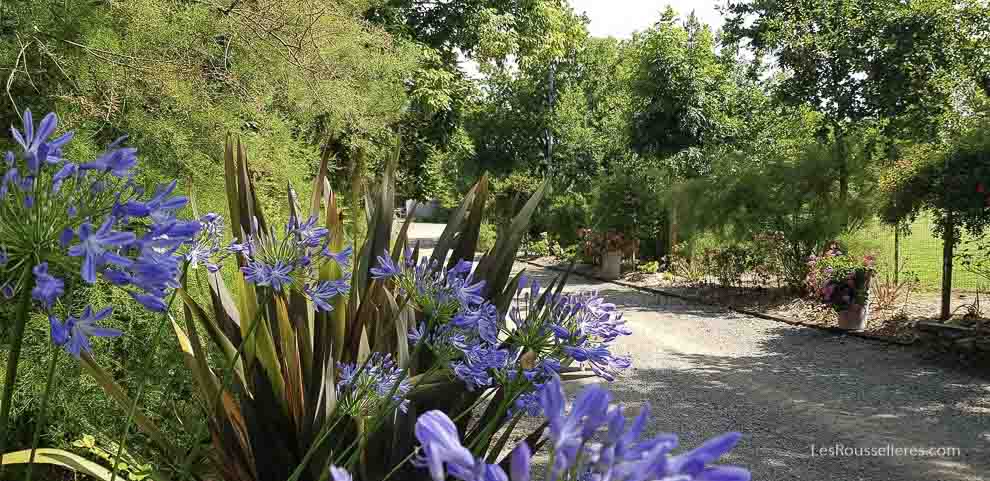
(897, 325)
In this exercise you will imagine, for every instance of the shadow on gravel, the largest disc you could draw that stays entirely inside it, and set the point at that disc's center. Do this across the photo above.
(812, 389)
(805, 388)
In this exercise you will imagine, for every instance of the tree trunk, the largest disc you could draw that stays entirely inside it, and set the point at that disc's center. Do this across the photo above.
(897, 253)
(843, 164)
(673, 226)
(947, 253)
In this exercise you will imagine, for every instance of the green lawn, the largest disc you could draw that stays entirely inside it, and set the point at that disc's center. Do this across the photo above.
(920, 253)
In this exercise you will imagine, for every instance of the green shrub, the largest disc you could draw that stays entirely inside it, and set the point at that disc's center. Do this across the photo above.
(792, 196)
(651, 267)
(630, 201)
(80, 406)
(541, 246)
(486, 237)
(730, 263)
(564, 216)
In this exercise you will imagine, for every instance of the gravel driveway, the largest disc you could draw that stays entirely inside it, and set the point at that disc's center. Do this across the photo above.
(706, 371)
(790, 389)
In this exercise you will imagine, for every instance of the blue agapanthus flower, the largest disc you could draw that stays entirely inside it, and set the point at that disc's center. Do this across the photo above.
(592, 442)
(98, 247)
(443, 454)
(47, 288)
(386, 268)
(324, 291)
(90, 219)
(74, 334)
(366, 388)
(276, 276)
(289, 260)
(339, 474)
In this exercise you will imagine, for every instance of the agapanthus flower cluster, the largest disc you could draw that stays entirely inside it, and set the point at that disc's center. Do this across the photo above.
(460, 326)
(293, 261)
(207, 249)
(585, 327)
(61, 218)
(592, 442)
(368, 388)
(438, 293)
(555, 328)
(467, 332)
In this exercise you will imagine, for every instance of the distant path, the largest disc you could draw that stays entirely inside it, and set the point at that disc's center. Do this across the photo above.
(706, 371)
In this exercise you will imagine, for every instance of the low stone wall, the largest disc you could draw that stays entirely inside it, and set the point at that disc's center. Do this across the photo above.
(969, 343)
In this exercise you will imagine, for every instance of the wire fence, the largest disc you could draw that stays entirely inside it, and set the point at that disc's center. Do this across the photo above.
(917, 252)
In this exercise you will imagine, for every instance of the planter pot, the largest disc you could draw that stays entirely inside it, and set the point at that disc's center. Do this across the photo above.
(612, 265)
(854, 318)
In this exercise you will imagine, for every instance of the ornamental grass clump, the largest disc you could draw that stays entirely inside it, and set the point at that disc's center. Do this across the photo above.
(330, 353)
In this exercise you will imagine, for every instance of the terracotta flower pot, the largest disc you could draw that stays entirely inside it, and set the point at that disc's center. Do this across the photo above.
(612, 265)
(854, 318)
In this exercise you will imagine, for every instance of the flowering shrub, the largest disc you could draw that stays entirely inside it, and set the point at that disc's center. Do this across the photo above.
(595, 244)
(840, 280)
(322, 361)
(324, 357)
(65, 220)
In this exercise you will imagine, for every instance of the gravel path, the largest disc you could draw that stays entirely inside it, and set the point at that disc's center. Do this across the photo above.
(706, 371)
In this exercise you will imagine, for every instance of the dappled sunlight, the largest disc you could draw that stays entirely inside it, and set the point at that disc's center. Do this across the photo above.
(790, 388)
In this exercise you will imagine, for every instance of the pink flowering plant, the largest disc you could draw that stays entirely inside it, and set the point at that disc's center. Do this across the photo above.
(839, 279)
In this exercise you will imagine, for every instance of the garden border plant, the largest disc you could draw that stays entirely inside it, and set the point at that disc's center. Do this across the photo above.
(322, 364)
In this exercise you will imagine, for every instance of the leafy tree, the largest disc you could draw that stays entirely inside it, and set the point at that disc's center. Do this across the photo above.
(785, 185)
(432, 131)
(468, 27)
(853, 60)
(679, 97)
(631, 201)
(517, 122)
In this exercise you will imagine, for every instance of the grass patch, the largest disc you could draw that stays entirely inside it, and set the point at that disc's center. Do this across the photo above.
(920, 254)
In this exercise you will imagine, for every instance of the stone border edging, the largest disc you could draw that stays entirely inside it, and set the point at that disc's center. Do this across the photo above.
(832, 330)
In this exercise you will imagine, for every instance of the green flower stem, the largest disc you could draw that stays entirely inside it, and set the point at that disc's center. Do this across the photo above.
(142, 383)
(413, 453)
(43, 416)
(20, 321)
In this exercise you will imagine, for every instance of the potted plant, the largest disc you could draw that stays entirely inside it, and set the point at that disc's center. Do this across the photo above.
(612, 255)
(843, 281)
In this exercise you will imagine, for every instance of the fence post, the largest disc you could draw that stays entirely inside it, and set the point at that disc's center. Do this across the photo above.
(949, 237)
(897, 253)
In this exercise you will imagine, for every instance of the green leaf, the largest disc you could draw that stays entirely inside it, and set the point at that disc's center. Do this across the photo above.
(454, 226)
(467, 241)
(61, 458)
(214, 331)
(496, 267)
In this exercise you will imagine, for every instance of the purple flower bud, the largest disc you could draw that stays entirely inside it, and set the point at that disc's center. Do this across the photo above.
(152, 303)
(47, 288)
(66, 238)
(520, 463)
